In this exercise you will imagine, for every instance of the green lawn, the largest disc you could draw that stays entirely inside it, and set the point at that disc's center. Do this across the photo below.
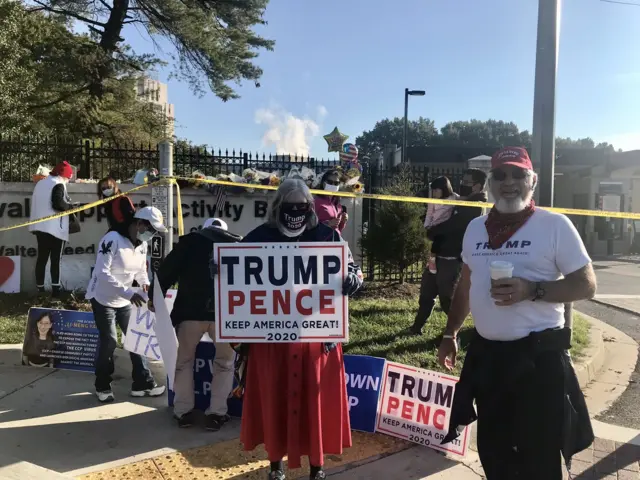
(378, 324)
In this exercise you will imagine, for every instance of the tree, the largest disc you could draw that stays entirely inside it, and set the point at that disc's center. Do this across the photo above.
(396, 239)
(421, 133)
(214, 41)
(45, 67)
(477, 133)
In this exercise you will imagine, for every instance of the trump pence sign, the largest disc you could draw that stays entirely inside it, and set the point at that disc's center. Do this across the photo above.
(281, 292)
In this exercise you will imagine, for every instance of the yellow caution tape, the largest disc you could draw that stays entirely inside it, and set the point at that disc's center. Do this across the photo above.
(97, 203)
(392, 198)
(437, 201)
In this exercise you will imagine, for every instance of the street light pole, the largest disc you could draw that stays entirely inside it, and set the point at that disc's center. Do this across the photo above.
(544, 107)
(406, 125)
(405, 130)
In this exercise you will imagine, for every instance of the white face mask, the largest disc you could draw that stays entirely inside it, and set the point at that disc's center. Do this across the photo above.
(107, 192)
(331, 188)
(145, 236)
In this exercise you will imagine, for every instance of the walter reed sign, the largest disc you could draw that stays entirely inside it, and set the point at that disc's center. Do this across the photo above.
(281, 292)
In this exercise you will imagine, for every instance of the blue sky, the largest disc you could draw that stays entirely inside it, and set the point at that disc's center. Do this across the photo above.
(346, 64)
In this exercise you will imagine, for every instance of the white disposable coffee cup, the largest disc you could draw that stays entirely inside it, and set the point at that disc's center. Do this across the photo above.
(500, 269)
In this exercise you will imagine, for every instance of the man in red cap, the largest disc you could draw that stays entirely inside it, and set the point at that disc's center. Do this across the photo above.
(50, 197)
(521, 265)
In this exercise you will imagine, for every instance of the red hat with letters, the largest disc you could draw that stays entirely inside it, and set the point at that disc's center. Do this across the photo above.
(516, 156)
(63, 169)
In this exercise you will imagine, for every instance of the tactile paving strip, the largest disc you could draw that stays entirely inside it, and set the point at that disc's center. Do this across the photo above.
(227, 460)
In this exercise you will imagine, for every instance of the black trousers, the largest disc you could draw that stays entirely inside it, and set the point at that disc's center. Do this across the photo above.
(439, 284)
(520, 422)
(49, 248)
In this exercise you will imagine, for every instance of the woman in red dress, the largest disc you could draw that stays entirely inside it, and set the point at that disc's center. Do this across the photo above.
(295, 397)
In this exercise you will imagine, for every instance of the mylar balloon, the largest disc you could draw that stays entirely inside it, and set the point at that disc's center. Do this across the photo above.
(335, 139)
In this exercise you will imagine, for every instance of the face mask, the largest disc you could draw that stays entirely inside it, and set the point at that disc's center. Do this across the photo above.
(107, 192)
(331, 188)
(465, 190)
(145, 236)
(293, 222)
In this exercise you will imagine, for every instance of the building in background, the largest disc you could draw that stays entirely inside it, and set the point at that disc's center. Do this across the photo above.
(155, 92)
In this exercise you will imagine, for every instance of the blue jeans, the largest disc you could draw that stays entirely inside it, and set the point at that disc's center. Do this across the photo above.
(106, 319)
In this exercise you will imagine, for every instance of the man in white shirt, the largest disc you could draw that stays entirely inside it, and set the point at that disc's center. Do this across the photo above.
(530, 409)
(122, 259)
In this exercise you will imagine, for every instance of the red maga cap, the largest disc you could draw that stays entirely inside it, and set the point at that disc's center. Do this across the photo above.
(516, 156)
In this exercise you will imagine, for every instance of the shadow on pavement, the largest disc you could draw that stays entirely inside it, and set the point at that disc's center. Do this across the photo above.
(56, 422)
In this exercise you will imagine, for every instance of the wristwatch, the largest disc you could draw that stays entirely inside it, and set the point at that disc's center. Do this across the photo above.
(539, 292)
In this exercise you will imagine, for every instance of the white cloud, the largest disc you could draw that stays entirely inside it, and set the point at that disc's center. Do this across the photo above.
(286, 132)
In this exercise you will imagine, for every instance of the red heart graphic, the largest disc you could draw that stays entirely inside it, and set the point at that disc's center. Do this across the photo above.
(6, 269)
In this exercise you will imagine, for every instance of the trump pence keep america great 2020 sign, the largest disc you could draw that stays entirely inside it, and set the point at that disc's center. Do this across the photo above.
(281, 292)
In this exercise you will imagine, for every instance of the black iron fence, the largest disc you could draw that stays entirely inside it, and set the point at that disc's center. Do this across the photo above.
(376, 179)
(20, 158)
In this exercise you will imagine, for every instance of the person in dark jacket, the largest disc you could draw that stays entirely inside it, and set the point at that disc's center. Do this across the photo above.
(446, 238)
(193, 314)
(119, 211)
(295, 400)
(521, 265)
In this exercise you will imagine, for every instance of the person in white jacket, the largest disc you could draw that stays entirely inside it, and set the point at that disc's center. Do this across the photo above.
(50, 197)
(122, 259)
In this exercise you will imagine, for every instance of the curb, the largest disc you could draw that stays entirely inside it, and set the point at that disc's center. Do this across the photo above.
(591, 362)
(606, 375)
(616, 307)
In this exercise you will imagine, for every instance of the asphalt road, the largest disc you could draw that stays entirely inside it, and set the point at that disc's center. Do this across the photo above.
(619, 278)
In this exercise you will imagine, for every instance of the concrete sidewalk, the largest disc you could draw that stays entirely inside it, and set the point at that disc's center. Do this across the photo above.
(49, 419)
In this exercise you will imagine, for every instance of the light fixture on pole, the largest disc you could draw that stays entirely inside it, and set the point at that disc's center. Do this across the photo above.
(407, 92)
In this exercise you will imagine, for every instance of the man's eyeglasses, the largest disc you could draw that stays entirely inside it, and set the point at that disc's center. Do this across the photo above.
(516, 174)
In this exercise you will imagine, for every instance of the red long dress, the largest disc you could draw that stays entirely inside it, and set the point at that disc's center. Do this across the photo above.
(295, 402)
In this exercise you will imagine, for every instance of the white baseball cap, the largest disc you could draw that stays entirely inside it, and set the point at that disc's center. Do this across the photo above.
(215, 222)
(153, 216)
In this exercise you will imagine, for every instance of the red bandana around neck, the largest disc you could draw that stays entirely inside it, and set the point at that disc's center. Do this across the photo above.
(502, 226)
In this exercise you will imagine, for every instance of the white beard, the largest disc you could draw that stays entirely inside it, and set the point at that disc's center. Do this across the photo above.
(513, 205)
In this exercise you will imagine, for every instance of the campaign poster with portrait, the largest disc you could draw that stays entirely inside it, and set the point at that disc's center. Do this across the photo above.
(65, 339)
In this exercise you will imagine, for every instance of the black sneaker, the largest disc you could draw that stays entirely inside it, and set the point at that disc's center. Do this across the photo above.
(276, 475)
(213, 422)
(186, 420)
(319, 476)
(154, 390)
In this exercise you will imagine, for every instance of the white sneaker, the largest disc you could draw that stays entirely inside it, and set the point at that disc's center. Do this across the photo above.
(154, 391)
(105, 396)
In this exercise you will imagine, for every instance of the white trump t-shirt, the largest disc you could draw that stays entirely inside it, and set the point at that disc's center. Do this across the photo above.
(546, 248)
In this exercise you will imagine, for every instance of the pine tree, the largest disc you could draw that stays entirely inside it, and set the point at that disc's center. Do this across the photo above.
(396, 240)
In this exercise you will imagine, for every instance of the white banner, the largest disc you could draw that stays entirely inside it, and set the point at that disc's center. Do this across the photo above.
(141, 334)
(281, 292)
(415, 405)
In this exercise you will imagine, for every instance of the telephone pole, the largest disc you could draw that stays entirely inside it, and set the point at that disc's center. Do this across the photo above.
(544, 100)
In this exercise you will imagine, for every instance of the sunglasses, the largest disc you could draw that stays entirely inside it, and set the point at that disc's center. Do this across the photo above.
(299, 207)
(332, 182)
(516, 174)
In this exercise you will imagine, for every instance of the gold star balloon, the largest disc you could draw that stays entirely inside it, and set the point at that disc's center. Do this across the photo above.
(335, 140)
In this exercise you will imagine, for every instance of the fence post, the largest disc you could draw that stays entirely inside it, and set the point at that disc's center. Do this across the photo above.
(162, 196)
(85, 168)
(245, 161)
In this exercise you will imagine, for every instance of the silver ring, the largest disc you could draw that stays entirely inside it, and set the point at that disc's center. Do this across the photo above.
(510, 297)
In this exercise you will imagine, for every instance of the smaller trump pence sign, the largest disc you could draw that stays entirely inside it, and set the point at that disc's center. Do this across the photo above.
(415, 405)
(281, 292)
